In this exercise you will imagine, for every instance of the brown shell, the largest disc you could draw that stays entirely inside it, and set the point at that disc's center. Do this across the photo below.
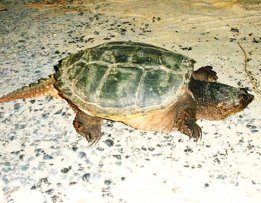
(123, 78)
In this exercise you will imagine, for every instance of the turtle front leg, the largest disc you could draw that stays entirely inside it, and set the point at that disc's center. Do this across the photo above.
(205, 73)
(88, 126)
(185, 117)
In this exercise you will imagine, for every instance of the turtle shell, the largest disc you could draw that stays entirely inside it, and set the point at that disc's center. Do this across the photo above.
(123, 78)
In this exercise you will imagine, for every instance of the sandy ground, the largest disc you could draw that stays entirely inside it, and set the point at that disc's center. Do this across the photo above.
(43, 159)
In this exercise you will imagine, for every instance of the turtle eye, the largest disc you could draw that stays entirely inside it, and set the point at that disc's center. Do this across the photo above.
(244, 89)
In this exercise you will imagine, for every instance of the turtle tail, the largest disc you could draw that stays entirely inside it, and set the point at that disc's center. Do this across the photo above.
(41, 88)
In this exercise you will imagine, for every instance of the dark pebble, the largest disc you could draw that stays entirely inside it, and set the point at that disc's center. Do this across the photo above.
(117, 156)
(65, 170)
(50, 191)
(74, 148)
(58, 112)
(38, 152)
(186, 48)
(47, 157)
(127, 22)
(19, 126)
(54, 198)
(251, 126)
(32, 101)
(81, 154)
(255, 41)
(107, 182)
(222, 177)
(109, 142)
(188, 150)
(16, 106)
(86, 177)
(157, 154)
(45, 115)
(100, 149)
(206, 185)
(21, 157)
(234, 30)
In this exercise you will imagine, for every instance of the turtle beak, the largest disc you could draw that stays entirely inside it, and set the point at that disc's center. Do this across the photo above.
(245, 97)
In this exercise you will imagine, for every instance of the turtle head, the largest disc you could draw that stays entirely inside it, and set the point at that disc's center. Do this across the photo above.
(244, 98)
(235, 100)
(217, 101)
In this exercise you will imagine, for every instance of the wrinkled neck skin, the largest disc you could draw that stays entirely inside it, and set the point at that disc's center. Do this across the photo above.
(217, 101)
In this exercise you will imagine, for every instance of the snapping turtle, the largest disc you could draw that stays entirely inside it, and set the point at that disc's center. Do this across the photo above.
(141, 85)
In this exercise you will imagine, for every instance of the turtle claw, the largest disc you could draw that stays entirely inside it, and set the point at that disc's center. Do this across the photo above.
(192, 130)
(89, 127)
(196, 132)
(94, 136)
(205, 73)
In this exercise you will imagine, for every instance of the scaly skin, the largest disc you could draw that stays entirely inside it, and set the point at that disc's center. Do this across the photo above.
(217, 101)
(44, 87)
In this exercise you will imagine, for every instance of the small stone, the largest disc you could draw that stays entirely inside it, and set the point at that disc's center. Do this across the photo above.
(107, 182)
(74, 148)
(234, 30)
(47, 157)
(32, 101)
(58, 112)
(117, 156)
(50, 191)
(65, 170)
(16, 106)
(86, 177)
(109, 142)
(19, 126)
(81, 154)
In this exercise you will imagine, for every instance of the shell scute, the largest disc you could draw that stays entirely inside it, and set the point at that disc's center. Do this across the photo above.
(73, 58)
(120, 87)
(75, 69)
(155, 87)
(93, 73)
(146, 56)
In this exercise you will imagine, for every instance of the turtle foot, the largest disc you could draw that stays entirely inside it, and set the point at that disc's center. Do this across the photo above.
(88, 126)
(192, 130)
(205, 73)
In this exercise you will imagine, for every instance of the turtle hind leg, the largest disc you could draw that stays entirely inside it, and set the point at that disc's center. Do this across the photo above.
(205, 73)
(88, 126)
(185, 117)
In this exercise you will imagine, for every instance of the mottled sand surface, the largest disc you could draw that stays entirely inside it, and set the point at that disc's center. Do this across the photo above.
(43, 159)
